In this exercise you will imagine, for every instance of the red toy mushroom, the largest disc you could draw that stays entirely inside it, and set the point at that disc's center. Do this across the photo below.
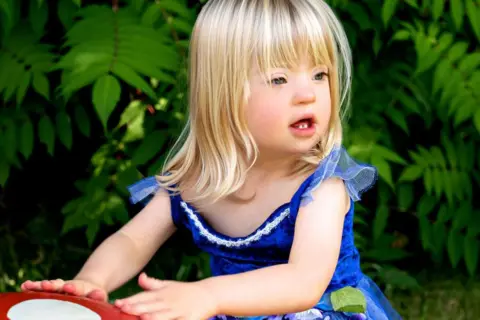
(55, 306)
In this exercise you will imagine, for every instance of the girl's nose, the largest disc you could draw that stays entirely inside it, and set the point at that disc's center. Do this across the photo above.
(305, 95)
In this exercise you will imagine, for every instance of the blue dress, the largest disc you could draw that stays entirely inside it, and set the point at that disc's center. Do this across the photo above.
(271, 242)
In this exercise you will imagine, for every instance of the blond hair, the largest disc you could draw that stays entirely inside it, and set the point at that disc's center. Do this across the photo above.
(215, 149)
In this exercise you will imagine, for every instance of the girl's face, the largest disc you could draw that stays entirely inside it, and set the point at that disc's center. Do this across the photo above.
(293, 114)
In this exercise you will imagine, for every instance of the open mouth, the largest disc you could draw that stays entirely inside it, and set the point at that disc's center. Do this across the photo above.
(305, 123)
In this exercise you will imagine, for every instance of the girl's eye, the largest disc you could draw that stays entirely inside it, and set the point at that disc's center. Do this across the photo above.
(320, 76)
(278, 80)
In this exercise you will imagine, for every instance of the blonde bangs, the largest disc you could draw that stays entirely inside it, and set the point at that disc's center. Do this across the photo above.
(216, 149)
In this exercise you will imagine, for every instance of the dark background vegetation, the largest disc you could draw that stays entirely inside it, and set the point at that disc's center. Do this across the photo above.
(92, 94)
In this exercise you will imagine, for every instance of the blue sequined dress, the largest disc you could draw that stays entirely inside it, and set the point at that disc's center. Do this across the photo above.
(270, 243)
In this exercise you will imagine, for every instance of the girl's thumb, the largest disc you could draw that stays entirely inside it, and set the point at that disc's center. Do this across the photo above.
(149, 283)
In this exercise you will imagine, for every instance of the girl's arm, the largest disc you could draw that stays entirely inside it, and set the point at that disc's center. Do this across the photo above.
(122, 255)
(299, 284)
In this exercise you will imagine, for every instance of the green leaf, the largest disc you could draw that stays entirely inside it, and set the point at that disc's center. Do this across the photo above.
(388, 9)
(92, 231)
(437, 9)
(46, 133)
(82, 121)
(425, 232)
(426, 205)
(26, 138)
(349, 299)
(380, 221)
(472, 252)
(66, 12)
(388, 154)
(401, 35)
(64, 129)
(428, 180)
(78, 3)
(23, 87)
(131, 77)
(359, 15)
(411, 173)
(4, 172)
(455, 247)
(38, 16)
(383, 168)
(41, 85)
(149, 147)
(106, 94)
(457, 11)
(457, 51)
(473, 13)
(131, 112)
(405, 196)
(462, 217)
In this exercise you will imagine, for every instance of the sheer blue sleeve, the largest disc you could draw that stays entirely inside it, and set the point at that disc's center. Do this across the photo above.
(143, 190)
(358, 177)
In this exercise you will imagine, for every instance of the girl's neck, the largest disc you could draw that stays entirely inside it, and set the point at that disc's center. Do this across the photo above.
(265, 171)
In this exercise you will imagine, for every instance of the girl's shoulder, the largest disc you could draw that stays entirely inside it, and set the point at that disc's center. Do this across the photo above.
(358, 177)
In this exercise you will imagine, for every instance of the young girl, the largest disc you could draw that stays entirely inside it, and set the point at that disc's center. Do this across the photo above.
(261, 180)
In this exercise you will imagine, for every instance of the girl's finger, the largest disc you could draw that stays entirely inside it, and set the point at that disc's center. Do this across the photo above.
(57, 285)
(163, 315)
(148, 283)
(46, 285)
(97, 295)
(75, 288)
(145, 307)
(31, 285)
(143, 296)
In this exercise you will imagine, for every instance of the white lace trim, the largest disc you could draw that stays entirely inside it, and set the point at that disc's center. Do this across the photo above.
(234, 243)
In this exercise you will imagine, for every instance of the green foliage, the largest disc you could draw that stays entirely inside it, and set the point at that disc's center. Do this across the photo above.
(115, 72)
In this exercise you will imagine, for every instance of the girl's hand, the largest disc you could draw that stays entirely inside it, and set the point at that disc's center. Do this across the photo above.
(74, 287)
(166, 300)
